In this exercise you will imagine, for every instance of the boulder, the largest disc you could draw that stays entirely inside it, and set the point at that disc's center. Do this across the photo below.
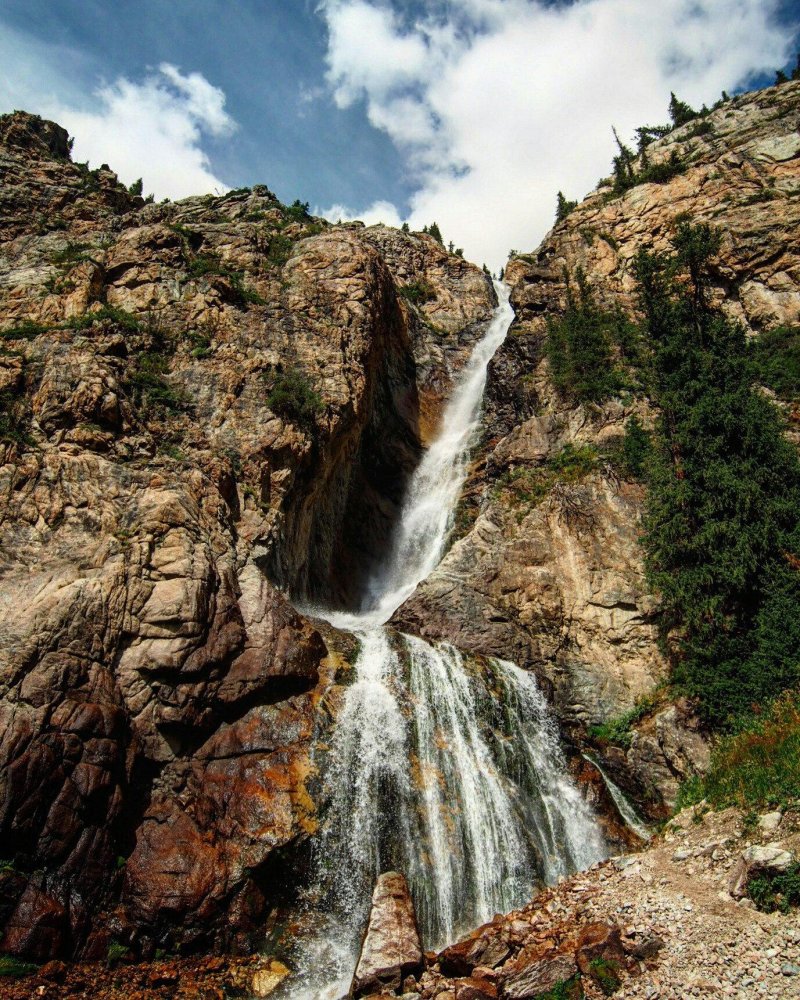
(391, 949)
(527, 979)
(760, 859)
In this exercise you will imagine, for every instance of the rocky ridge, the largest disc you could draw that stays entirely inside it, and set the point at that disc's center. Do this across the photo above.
(197, 398)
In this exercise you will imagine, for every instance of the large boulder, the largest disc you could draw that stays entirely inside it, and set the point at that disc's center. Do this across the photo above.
(392, 948)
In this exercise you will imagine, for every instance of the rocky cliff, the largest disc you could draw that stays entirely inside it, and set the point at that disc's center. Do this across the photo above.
(197, 399)
(549, 570)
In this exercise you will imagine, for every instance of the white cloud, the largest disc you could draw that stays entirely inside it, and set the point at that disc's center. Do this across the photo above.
(497, 104)
(379, 211)
(151, 128)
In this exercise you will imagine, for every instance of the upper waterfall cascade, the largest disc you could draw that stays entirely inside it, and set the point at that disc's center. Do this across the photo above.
(445, 767)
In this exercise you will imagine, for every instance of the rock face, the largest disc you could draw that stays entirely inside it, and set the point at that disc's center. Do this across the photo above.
(195, 399)
(549, 569)
(391, 949)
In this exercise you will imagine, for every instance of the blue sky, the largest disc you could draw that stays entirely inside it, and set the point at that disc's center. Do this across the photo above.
(473, 112)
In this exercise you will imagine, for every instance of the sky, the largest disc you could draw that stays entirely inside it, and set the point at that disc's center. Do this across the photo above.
(472, 113)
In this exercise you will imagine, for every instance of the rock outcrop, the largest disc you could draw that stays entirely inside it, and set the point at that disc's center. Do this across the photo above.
(199, 401)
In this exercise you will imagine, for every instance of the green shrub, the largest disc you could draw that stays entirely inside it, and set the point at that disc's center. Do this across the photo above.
(606, 974)
(280, 249)
(117, 952)
(72, 253)
(567, 989)
(16, 968)
(579, 347)
(618, 731)
(775, 357)
(120, 317)
(204, 264)
(756, 767)
(297, 211)
(529, 484)
(721, 526)
(293, 397)
(26, 329)
(635, 450)
(148, 387)
(680, 112)
(12, 423)
(777, 892)
(417, 292)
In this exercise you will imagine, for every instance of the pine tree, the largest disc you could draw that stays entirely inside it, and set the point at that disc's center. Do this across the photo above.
(435, 232)
(722, 537)
(563, 207)
(679, 111)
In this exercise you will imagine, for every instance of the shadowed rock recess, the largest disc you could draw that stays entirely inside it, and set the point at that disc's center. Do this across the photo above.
(211, 404)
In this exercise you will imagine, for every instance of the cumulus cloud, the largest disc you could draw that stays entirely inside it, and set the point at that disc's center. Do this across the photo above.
(378, 211)
(498, 104)
(151, 128)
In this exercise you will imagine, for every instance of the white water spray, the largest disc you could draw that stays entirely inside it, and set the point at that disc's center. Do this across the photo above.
(443, 767)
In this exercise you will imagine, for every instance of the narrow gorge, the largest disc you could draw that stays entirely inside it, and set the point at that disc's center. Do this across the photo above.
(327, 619)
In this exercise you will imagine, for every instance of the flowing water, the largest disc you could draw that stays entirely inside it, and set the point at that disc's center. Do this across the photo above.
(445, 767)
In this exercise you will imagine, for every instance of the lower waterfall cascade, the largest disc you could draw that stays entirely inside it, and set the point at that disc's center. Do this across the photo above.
(443, 766)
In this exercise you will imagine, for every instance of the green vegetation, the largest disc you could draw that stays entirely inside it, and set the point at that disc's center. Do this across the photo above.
(148, 387)
(434, 231)
(582, 344)
(606, 974)
(627, 176)
(417, 292)
(71, 253)
(567, 989)
(293, 397)
(117, 952)
(120, 317)
(619, 731)
(564, 207)
(635, 449)
(775, 356)
(530, 484)
(280, 249)
(15, 968)
(12, 423)
(721, 528)
(680, 112)
(206, 264)
(757, 767)
(26, 329)
(777, 892)
(297, 211)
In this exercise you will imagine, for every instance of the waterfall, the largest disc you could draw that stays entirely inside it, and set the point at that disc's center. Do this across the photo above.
(445, 767)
